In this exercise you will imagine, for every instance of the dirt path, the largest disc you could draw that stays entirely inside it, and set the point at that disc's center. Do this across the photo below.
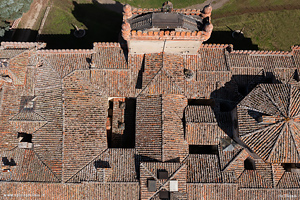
(30, 22)
(117, 7)
(214, 3)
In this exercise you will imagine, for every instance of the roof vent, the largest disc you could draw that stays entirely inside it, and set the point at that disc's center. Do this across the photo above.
(188, 73)
(104, 170)
(121, 125)
(167, 6)
(6, 164)
(249, 164)
(173, 185)
(163, 174)
(25, 141)
(122, 105)
(163, 194)
(151, 185)
(6, 78)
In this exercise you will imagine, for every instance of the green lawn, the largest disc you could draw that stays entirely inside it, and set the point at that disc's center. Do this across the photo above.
(246, 5)
(158, 3)
(100, 24)
(267, 30)
(272, 30)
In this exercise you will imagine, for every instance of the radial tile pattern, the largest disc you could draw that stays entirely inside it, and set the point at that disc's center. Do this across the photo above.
(269, 122)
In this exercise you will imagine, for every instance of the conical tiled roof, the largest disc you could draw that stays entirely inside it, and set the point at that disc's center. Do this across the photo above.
(269, 121)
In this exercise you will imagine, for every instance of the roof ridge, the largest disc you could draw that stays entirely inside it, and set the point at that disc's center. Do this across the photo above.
(216, 46)
(146, 86)
(258, 52)
(18, 45)
(182, 11)
(86, 165)
(106, 44)
(45, 165)
(71, 51)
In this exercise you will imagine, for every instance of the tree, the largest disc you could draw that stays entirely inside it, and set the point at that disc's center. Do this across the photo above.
(11, 10)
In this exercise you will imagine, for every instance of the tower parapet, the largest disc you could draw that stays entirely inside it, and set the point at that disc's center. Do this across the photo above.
(166, 29)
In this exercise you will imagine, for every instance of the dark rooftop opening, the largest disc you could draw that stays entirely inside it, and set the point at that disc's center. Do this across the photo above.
(121, 123)
(296, 76)
(203, 149)
(162, 174)
(170, 29)
(243, 90)
(5, 161)
(249, 164)
(225, 107)
(163, 194)
(270, 77)
(203, 102)
(101, 164)
(24, 137)
(291, 167)
(151, 184)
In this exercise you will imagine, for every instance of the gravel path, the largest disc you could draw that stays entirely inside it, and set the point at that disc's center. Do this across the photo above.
(117, 7)
(214, 3)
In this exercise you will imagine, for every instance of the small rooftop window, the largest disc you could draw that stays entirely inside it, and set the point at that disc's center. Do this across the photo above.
(291, 167)
(162, 174)
(203, 149)
(249, 164)
(188, 74)
(151, 185)
(202, 102)
(25, 140)
(163, 194)
(173, 185)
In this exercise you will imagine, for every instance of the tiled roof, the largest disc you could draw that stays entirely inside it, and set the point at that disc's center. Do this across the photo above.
(25, 165)
(203, 168)
(280, 101)
(61, 97)
(163, 74)
(109, 56)
(253, 193)
(64, 62)
(201, 126)
(213, 59)
(84, 123)
(120, 161)
(49, 105)
(289, 180)
(162, 137)
(215, 191)
(150, 170)
(88, 190)
(10, 53)
(199, 114)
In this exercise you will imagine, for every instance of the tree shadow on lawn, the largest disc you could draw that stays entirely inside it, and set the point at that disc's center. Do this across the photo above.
(224, 37)
(102, 25)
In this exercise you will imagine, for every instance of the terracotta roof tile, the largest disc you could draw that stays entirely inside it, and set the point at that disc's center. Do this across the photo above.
(120, 161)
(277, 142)
(213, 59)
(203, 169)
(66, 62)
(25, 165)
(109, 57)
(85, 113)
(114, 191)
(212, 191)
(159, 129)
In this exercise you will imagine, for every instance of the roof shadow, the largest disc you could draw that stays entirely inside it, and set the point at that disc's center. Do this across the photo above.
(100, 22)
(226, 100)
(225, 37)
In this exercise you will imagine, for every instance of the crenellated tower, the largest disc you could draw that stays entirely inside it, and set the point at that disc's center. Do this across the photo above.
(166, 30)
